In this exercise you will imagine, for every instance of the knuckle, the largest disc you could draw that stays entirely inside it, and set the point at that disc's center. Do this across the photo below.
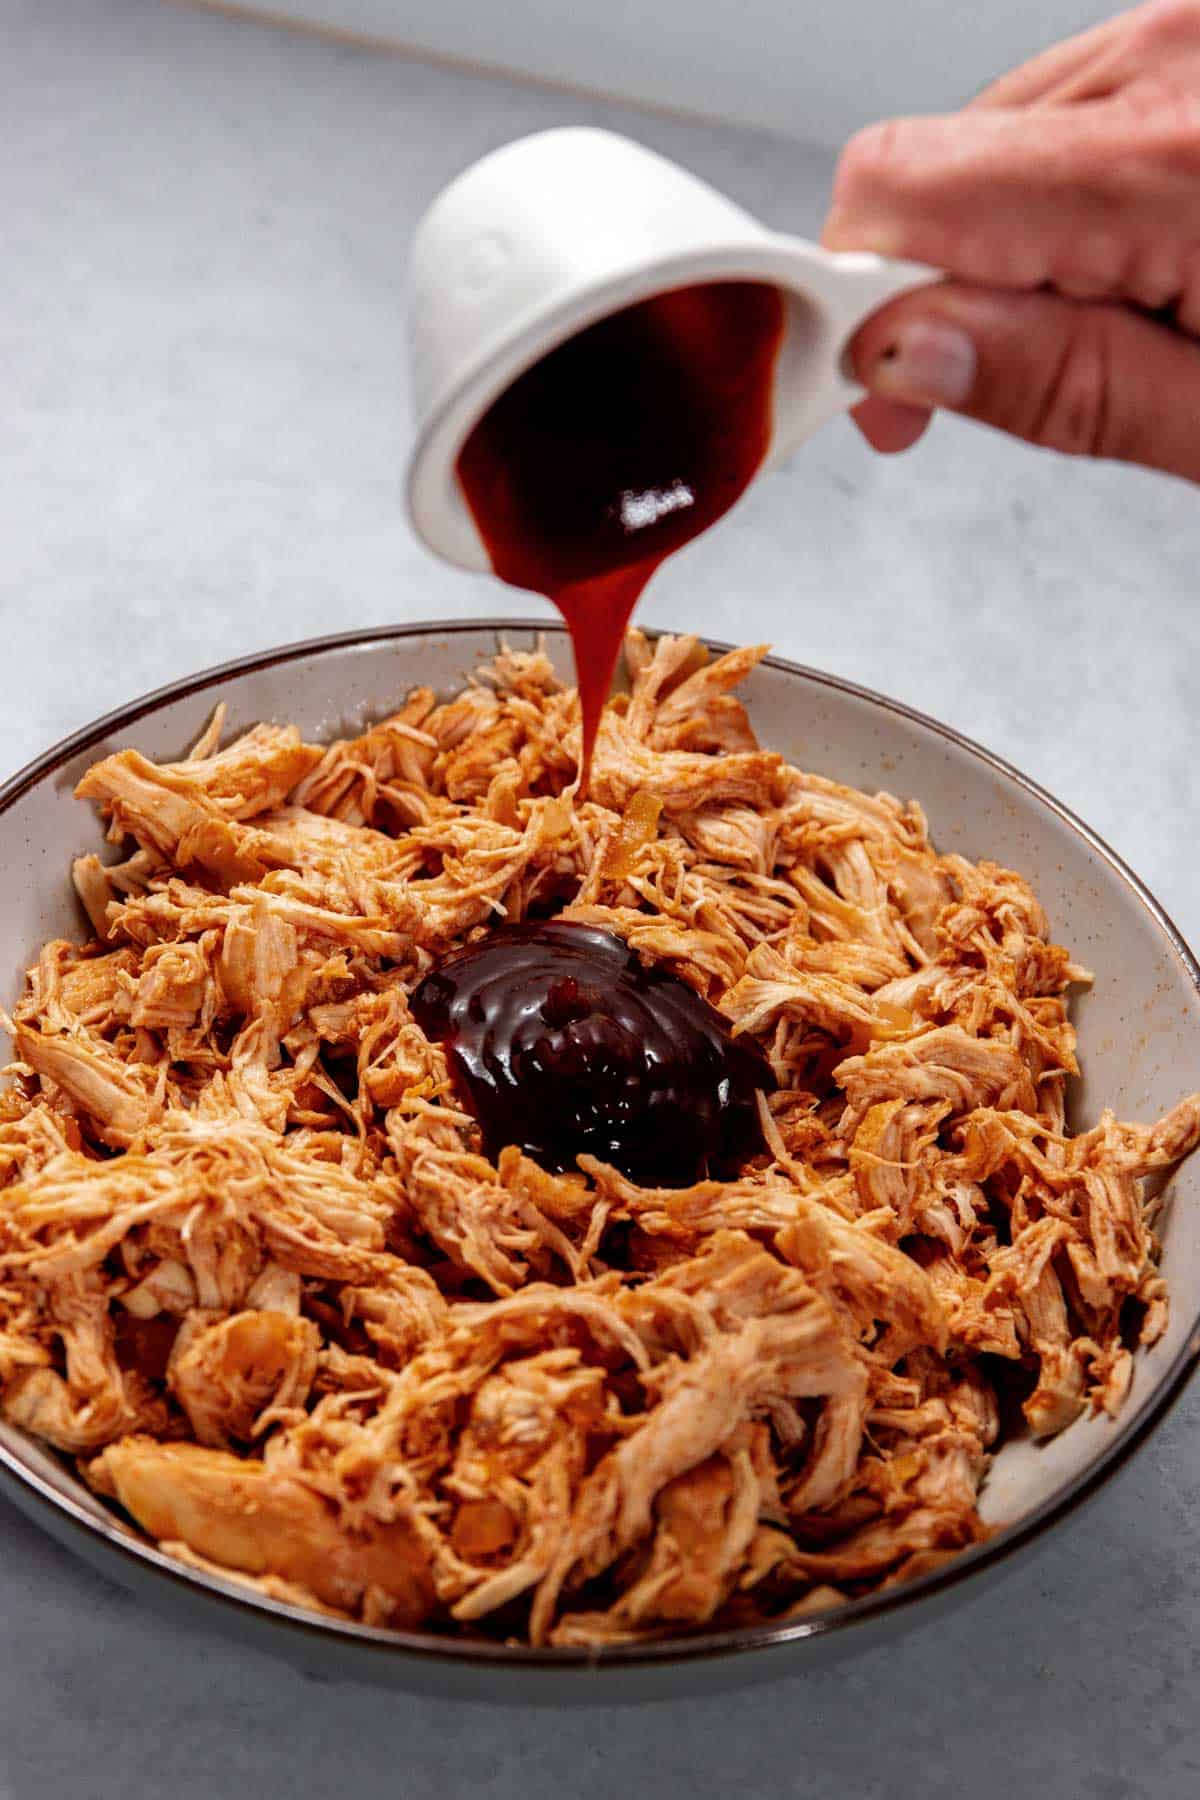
(1166, 117)
(1187, 295)
(1074, 413)
(1090, 264)
(869, 162)
(1167, 25)
(1154, 277)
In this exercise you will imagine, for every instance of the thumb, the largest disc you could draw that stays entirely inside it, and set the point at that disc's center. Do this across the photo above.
(1082, 377)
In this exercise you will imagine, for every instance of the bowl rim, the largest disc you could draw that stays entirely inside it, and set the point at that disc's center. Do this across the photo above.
(103, 1537)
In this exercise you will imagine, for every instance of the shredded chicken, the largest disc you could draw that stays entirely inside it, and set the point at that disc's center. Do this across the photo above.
(259, 1278)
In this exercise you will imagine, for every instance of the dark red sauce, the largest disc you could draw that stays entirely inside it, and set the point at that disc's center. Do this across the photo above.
(561, 1041)
(617, 448)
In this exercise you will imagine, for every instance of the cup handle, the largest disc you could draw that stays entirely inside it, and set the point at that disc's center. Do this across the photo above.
(863, 283)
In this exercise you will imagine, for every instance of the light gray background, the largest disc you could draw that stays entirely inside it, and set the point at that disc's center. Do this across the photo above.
(202, 426)
(811, 68)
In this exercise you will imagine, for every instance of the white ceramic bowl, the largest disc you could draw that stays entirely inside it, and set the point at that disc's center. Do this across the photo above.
(1139, 1040)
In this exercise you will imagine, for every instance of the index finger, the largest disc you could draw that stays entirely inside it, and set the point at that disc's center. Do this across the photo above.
(1065, 70)
(1018, 198)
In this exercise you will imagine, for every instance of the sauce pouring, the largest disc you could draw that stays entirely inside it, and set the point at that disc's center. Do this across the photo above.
(619, 447)
(605, 352)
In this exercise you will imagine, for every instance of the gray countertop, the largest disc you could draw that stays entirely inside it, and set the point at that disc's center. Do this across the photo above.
(202, 426)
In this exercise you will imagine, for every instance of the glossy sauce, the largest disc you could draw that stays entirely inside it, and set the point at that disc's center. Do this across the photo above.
(561, 1041)
(619, 447)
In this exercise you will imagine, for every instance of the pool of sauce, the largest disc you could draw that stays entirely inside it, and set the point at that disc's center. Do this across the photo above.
(562, 1041)
(620, 446)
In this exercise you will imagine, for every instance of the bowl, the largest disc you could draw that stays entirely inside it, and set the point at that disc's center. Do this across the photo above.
(1139, 1031)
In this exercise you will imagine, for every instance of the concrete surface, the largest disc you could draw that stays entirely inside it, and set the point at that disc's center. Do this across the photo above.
(202, 426)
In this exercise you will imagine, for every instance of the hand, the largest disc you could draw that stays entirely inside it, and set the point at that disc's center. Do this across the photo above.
(1064, 204)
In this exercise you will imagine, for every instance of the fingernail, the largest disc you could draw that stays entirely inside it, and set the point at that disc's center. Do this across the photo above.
(927, 363)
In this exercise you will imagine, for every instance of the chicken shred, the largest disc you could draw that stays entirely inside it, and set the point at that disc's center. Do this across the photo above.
(259, 1278)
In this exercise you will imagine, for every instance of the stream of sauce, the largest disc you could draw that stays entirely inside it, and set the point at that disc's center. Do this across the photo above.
(620, 446)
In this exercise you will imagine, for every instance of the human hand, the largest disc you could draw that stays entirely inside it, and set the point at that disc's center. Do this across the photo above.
(1064, 204)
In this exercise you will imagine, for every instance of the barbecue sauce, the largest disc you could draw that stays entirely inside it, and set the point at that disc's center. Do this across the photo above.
(620, 446)
(562, 1041)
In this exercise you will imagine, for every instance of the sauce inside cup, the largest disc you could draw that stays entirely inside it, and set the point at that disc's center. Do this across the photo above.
(617, 448)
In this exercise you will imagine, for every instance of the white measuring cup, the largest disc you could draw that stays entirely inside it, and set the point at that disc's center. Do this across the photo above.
(553, 232)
